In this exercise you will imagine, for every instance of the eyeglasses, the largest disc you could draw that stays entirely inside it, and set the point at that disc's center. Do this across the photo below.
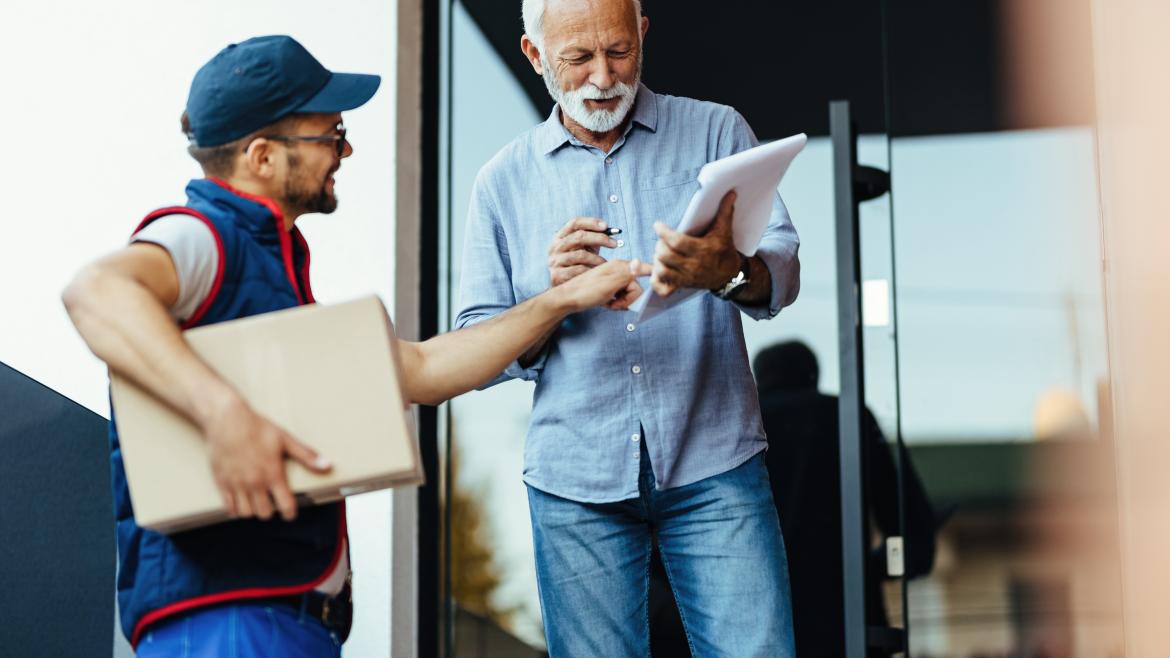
(337, 137)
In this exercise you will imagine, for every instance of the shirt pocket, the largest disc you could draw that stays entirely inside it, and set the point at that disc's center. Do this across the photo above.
(672, 179)
(664, 198)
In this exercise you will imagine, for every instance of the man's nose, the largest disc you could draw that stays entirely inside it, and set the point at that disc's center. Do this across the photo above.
(602, 75)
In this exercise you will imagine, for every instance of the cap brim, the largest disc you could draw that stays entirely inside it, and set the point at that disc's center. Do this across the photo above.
(344, 91)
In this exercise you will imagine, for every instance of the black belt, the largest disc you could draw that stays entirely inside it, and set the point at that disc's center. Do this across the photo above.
(334, 612)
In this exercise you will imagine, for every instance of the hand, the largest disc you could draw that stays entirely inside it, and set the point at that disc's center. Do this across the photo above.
(247, 454)
(613, 285)
(707, 262)
(575, 247)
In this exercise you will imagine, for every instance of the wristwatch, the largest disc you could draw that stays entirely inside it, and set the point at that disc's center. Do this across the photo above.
(737, 282)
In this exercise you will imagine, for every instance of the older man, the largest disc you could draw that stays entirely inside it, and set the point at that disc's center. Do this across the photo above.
(640, 433)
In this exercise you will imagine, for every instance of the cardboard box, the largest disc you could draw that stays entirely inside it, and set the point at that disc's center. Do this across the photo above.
(327, 374)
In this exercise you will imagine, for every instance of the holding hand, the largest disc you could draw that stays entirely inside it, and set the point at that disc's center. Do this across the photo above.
(613, 285)
(574, 249)
(247, 454)
(706, 262)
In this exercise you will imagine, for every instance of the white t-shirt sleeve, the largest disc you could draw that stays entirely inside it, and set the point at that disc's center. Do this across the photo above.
(192, 247)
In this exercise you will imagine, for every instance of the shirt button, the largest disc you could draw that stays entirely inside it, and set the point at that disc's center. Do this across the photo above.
(630, 327)
(609, 161)
(637, 370)
(621, 243)
(635, 438)
(613, 198)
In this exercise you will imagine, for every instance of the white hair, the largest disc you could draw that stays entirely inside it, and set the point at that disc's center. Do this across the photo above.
(532, 12)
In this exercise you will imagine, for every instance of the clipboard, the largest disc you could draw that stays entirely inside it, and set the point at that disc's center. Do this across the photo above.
(754, 174)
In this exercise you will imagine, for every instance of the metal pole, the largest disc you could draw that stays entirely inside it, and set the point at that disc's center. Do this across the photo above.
(851, 403)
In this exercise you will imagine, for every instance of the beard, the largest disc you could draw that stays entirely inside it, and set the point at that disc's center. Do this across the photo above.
(306, 194)
(572, 102)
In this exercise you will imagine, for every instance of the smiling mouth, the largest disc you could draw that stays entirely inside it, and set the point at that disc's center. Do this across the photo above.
(606, 104)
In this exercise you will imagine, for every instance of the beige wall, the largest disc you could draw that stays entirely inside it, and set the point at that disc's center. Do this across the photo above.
(408, 180)
(1132, 52)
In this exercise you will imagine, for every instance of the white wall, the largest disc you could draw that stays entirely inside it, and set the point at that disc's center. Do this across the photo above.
(91, 142)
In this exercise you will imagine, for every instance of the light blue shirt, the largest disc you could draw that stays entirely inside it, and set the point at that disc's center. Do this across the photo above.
(682, 376)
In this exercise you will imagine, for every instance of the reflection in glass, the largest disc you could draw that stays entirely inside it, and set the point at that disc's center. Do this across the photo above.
(493, 579)
(804, 467)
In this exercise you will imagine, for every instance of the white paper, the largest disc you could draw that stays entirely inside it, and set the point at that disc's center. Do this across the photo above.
(754, 174)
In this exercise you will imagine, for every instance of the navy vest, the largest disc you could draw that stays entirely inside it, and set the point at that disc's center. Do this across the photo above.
(262, 268)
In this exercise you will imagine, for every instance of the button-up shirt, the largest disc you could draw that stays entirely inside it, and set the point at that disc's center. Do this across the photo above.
(680, 382)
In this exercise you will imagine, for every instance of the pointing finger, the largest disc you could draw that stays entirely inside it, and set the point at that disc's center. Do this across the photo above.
(638, 268)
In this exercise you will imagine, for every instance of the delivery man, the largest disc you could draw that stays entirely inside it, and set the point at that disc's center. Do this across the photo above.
(264, 122)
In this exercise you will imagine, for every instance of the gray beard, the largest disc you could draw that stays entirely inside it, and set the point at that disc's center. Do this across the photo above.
(572, 102)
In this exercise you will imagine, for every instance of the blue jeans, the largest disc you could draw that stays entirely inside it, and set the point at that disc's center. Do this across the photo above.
(724, 556)
(243, 630)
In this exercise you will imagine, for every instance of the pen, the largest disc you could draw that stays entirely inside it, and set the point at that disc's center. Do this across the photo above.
(613, 230)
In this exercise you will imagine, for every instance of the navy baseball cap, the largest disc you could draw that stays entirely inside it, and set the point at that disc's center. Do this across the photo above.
(252, 84)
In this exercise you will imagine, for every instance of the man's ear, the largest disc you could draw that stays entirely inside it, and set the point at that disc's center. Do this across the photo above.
(645, 25)
(532, 53)
(258, 159)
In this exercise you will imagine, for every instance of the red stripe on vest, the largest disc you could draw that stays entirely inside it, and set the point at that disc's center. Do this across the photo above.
(285, 241)
(247, 593)
(219, 267)
(304, 268)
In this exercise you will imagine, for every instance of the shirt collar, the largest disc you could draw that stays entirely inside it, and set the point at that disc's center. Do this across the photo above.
(552, 134)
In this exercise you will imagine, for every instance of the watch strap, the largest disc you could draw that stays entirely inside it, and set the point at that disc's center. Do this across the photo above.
(737, 282)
